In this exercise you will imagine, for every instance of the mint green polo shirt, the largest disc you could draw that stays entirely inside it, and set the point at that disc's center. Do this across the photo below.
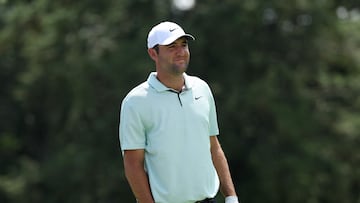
(174, 129)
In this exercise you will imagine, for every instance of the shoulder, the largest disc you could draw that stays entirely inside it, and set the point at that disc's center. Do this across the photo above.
(196, 82)
(137, 93)
(200, 86)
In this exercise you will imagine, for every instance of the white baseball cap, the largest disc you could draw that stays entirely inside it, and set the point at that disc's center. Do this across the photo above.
(165, 33)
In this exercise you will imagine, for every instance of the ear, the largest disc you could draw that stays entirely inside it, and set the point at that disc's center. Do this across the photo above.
(153, 54)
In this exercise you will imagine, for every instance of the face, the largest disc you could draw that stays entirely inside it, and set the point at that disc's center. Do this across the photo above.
(172, 59)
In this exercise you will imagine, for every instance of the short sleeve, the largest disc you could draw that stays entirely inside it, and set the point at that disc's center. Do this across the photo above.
(131, 128)
(214, 128)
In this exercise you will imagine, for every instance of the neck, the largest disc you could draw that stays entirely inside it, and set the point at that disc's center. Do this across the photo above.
(175, 82)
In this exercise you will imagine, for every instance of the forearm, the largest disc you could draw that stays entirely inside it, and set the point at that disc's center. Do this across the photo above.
(222, 168)
(139, 184)
(136, 175)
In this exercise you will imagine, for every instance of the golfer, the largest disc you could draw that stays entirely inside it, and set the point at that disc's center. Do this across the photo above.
(168, 129)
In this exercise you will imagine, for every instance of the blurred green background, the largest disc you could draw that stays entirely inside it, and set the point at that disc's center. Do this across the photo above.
(285, 76)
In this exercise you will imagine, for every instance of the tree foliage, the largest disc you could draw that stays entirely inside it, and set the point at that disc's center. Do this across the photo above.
(284, 76)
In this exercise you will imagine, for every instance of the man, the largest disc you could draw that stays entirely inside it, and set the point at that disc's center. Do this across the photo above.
(168, 129)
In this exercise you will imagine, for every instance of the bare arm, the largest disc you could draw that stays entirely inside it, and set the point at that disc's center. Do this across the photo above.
(222, 168)
(136, 175)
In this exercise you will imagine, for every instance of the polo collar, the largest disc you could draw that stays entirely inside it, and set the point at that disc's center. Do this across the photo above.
(158, 86)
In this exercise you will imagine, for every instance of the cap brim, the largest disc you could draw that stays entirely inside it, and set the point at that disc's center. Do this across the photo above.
(172, 39)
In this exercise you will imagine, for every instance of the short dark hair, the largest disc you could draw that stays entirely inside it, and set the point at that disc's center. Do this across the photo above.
(156, 47)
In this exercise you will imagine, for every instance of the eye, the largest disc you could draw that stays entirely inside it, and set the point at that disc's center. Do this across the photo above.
(184, 44)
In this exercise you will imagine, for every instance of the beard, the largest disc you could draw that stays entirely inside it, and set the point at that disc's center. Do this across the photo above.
(179, 68)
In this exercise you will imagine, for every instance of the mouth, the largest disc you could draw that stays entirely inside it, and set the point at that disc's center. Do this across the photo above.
(181, 60)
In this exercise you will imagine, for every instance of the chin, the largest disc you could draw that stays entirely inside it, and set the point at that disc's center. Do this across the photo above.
(180, 68)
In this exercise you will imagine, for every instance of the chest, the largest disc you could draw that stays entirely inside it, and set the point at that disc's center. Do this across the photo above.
(172, 110)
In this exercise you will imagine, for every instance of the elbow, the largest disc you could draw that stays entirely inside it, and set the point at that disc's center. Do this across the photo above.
(133, 167)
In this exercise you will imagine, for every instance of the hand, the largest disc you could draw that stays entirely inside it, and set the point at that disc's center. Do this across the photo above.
(231, 199)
